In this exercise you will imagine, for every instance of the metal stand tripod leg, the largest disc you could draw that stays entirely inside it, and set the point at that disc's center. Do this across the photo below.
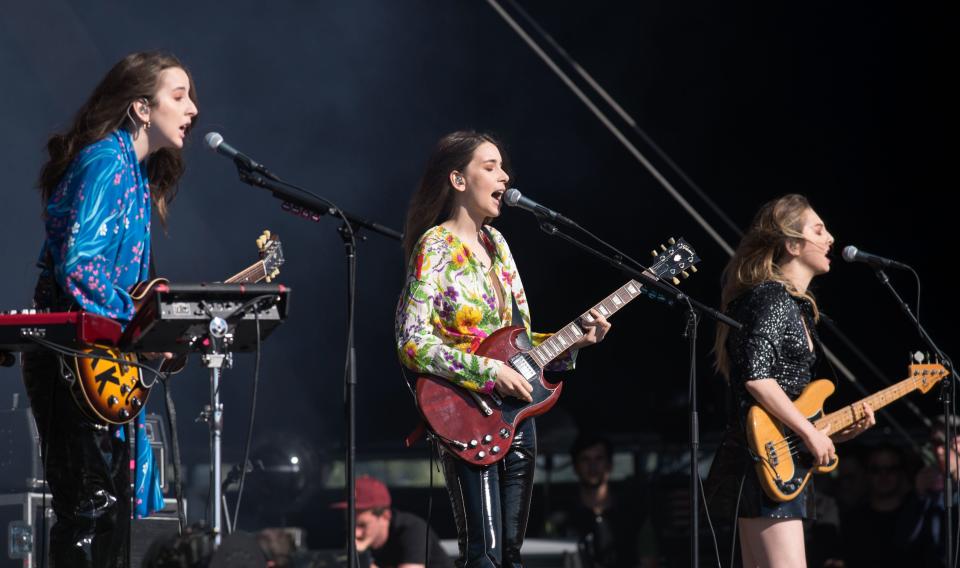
(216, 360)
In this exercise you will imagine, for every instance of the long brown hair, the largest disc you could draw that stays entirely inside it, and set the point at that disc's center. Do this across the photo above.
(432, 202)
(136, 76)
(758, 259)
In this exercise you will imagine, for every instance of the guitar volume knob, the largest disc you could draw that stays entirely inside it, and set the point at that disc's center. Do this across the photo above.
(487, 439)
(112, 400)
(504, 433)
(474, 443)
(481, 455)
(495, 450)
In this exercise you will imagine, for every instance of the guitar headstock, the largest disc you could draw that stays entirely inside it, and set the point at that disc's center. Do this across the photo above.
(271, 254)
(674, 260)
(927, 374)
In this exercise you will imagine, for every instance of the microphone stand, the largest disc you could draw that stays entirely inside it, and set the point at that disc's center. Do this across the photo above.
(946, 396)
(693, 311)
(309, 205)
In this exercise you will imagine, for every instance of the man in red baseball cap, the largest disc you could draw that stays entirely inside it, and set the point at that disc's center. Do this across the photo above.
(395, 539)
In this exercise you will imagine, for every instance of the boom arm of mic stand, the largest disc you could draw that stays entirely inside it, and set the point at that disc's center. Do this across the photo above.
(679, 296)
(300, 197)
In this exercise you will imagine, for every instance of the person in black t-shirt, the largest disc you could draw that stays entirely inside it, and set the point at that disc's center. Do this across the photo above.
(870, 531)
(389, 538)
(611, 528)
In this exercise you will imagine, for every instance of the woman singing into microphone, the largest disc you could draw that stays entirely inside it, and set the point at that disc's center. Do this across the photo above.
(769, 362)
(462, 285)
(119, 159)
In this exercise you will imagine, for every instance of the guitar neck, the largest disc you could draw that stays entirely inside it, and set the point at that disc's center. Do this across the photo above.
(253, 273)
(569, 334)
(848, 415)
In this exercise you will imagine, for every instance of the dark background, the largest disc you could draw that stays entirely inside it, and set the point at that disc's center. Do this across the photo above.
(844, 102)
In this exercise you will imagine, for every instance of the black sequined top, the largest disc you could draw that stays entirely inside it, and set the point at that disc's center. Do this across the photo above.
(772, 343)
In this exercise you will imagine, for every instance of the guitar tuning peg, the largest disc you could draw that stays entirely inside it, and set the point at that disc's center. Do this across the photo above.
(917, 357)
(676, 281)
(671, 241)
(267, 278)
(653, 253)
(662, 247)
(693, 269)
(685, 274)
(266, 233)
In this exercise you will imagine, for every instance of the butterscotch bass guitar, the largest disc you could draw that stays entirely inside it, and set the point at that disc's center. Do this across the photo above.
(783, 463)
(107, 391)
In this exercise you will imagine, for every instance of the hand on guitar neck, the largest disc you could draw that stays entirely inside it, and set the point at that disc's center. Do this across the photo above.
(512, 383)
(821, 442)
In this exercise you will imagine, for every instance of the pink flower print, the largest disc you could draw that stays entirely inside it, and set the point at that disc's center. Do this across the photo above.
(116, 179)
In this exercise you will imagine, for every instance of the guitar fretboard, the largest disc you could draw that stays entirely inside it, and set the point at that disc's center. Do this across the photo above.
(569, 334)
(254, 273)
(848, 415)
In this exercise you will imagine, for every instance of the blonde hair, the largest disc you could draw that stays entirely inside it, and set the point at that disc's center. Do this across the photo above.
(758, 259)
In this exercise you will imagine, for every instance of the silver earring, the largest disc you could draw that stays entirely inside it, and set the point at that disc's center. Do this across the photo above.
(458, 180)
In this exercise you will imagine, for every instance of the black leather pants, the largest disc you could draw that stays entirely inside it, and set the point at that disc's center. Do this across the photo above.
(491, 504)
(87, 469)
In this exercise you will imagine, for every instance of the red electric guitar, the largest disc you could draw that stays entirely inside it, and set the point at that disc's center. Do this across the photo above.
(479, 428)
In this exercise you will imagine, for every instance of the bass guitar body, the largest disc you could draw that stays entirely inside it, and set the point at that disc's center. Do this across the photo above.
(785, 466)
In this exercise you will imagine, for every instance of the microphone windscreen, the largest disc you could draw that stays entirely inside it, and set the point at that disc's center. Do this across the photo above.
(512, 196)
(850, 253)
(213, 140)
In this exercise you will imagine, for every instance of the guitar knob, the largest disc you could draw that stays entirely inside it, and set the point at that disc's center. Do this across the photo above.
(495, 450)
(124, 389)
(473, 443)
(487, 439)
(112, 400)
(135, 402)
(124, 414)
(504, 433)
(481, 455)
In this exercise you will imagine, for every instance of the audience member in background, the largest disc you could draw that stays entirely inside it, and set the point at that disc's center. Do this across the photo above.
(869, 531)
(608, 525)
(392, 538)
(850, 486)
(923, 522)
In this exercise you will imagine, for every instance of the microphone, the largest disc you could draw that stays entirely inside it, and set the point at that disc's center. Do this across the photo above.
(852, 254)
(514, 198)
(215, 141)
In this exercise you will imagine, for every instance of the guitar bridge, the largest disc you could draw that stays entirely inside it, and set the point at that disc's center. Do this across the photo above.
(772, 457)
